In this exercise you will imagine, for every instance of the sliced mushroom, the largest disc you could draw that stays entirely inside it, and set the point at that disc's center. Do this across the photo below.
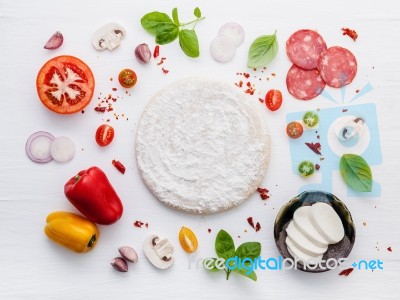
(108, 37)
(159, 251)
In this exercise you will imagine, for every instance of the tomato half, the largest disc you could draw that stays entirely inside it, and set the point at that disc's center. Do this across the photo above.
(294, 130)
(127, 78)
(273, 100)
(65, 84)
(104, 135)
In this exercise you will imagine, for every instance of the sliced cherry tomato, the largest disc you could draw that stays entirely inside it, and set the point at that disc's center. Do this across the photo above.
(273, 100)
(104, 135)
(310, 119)
(65, 84)
(188, 240)
(127, 78)
(294, 130)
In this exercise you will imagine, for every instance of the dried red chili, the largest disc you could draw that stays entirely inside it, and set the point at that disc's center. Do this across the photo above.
(138, 224)
(350, 32)
(165, 71)
(389, 249)
(258, 227)
(100, 108)
(161, 61)
(315, 147)
(346, 272)
(209, 230)
(120, 167)
(263, 193)
(156, 52)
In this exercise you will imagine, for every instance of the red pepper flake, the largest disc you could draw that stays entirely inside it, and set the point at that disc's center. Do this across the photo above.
(239, 84)
(261, 100)
(315, 147)
(250, 221)
(161, 61)
(147, 225)
(138, 224)
(156, 52)
(100, 108)
(83, 111)
(114, 89)
(254, 69)
(111, 79)
(389, 249)
(350, 32)
(209, 230)
(318, 137)
(317, 167)
(346, 272)
(273, 74)
(120, 167)
(263, 193)
(246, 75)
(345, 110)
(258, 227)
(357, 91)
(165, 71)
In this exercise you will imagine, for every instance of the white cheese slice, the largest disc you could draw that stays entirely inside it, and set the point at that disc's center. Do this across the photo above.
(303, 243)
(301, 220)
(327, 222)
(300, 255)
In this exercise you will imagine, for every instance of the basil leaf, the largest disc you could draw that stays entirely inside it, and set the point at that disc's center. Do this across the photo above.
(189, 42)
(356, 172)
(262, 51)
(151, 21)
(224, 245)
(166, 33)
(175, 16)
(250, 250)
(197, 12)
(252, 275)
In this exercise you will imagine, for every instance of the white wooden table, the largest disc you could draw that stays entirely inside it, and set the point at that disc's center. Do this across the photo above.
(32, 267)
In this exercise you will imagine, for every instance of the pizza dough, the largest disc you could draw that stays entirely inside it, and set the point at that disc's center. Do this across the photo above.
(201, 147)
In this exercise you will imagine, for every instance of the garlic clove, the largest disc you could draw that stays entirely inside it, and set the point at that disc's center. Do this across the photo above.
(55, 41)
(129, 254)
(119, 264)
(143, 53)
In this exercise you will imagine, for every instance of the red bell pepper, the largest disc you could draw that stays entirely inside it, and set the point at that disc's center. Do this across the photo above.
(92, 194)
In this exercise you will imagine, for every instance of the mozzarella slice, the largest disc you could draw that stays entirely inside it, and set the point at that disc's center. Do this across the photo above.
(301, 255)
(303, 243)
(301, 220)
(327, 222)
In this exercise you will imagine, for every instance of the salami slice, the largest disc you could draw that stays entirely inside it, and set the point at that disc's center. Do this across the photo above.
(304, 84)
(304, 48)
(338, 66)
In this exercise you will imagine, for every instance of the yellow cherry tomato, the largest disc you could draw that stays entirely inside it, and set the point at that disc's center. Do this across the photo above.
(188, 240)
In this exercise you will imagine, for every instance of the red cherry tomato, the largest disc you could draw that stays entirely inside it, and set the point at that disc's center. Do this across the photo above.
(104, 135)
(294, 130)
(273, 99)
(127, 78)
(65, 84)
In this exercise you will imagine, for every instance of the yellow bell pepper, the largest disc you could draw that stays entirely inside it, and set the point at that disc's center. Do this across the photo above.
(71, 231)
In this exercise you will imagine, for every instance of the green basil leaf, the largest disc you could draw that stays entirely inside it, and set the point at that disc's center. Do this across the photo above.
(214, 268)
(166, 33)
(175, 16)
(151, 21)
(197, 12)
(189, 42)
(224, 245)
(252, 275)
(250, 250)
(356, 172)
(262, 51)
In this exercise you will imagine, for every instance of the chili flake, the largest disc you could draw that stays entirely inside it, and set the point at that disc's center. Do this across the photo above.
(346, 272)
(165, 71)
(138, 224)
(263, 193)
(120, 167)
(209, 230)
(258, 227)
(351, 33)
(389, 249)
(156, 52)
(250, 221)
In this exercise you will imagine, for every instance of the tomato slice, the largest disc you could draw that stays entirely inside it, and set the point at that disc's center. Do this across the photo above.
(294, 130)
(273, 100)
(104, 135)
(188, 240)
(65, 84)
(127, 78)
(310, 119)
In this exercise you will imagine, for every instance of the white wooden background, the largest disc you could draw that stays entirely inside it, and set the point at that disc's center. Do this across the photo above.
(32, 267)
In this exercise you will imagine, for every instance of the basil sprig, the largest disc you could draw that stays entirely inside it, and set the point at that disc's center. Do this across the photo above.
(262, 51)
(356, 172)
(166, 30)
(225, 248)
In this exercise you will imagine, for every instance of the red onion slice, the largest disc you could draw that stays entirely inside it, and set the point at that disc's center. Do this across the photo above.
(62, 149)
(222, 49)
(55, 41)
(234, 31)
(38, 147)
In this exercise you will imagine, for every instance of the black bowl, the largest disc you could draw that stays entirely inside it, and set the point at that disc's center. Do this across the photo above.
(336, 251)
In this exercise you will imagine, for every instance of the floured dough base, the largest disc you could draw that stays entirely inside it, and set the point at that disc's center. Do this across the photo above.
(200, 146)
